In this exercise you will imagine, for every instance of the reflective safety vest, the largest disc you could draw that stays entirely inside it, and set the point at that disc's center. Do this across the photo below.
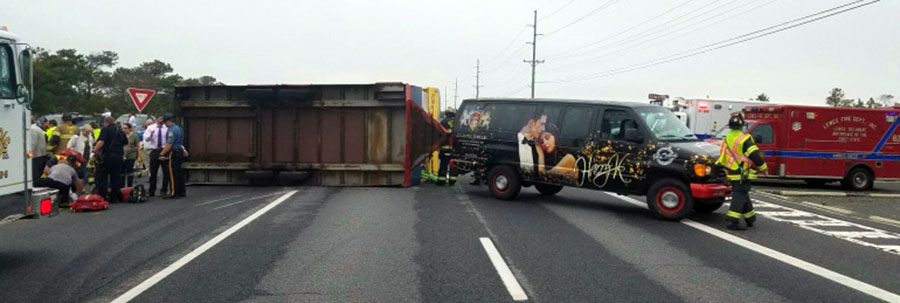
(49, 132)
(96, 134)
(736, 161)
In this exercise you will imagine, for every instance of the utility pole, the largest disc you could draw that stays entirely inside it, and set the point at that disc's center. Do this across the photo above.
(534, 62)
(455, 91)
(477, 78)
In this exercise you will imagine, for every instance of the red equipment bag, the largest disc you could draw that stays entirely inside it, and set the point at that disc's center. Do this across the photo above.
(89, 203)
(135, 194)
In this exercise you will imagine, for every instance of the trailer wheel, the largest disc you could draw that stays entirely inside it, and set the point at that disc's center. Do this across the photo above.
(547, 189)
(670, 199)
(859, 178)
(708, 206)
(504, 182)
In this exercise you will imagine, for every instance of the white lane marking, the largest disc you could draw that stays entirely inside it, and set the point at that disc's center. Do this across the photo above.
(885, 220)
(247, 200)
(220, 199)
(509, 280)
(826, 207)
(140, 288)
(858, 235)
(774, 254)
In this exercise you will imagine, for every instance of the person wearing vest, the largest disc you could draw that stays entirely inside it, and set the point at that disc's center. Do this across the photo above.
(60, 137)
(444, 154)
(742, 161)
(48, 131)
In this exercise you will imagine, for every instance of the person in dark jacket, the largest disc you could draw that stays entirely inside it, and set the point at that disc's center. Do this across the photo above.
(110, 150)
(444, 154)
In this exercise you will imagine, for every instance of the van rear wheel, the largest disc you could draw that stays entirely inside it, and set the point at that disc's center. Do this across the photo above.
(547, 189)
(670, 199)
(504, 182)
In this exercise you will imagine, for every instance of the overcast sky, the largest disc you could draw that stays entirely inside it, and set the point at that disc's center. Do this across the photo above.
(432, 43)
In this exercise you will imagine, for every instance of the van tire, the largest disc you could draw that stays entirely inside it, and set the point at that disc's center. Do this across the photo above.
(547, 189)
(859, 178)
(708, 206)
(504, 182)
(670, 199)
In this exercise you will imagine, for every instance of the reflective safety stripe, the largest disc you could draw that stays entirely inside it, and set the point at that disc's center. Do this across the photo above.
(749, 214)
(442, 178)
(733, 214)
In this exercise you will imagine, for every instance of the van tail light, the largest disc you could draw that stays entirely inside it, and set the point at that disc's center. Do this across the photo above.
(46, 206)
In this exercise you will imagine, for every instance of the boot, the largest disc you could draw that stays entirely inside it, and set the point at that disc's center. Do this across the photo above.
(734, 224)
(750, 221)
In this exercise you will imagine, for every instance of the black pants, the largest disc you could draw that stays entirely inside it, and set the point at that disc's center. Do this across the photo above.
(741, 206)
(173, 172)
(37, 167)
(62, 188)
(109, 178)
(154, 169)
(128, 171)
(444, 158)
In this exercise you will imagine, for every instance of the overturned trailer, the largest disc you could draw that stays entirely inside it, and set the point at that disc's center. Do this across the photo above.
(340, 135)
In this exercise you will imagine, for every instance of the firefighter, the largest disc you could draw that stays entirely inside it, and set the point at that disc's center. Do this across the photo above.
(742, 160)
(444, 155)
(60, 136)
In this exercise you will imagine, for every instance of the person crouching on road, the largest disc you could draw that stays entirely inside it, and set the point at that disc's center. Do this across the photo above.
(110, 149)
(742, 160)
(172, 155)
(61, 177)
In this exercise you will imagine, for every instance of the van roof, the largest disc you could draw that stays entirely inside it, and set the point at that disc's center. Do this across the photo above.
(558, 100)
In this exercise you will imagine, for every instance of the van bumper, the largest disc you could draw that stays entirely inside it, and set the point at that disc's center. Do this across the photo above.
(710, 190)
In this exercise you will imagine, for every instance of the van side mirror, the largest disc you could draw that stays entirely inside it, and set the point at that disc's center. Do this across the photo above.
(634, 135)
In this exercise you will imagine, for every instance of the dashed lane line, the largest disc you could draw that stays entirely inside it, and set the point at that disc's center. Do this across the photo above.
(787, 259)
(509, 280)
(831, 208)
(140, 288)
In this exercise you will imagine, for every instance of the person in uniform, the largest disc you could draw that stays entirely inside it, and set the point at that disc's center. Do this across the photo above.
(60, 136)
(172, 155)
(742, 160)
(110, 150)
(444, 155)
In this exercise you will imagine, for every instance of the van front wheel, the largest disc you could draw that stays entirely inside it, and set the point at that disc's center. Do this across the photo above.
(547, 189)
(504, 182)
(670, 199)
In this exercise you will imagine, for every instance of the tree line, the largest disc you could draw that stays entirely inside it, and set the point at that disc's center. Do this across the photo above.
(837, 98)
(68, 81)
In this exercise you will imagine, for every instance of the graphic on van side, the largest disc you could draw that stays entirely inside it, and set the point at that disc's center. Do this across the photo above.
(475, 117)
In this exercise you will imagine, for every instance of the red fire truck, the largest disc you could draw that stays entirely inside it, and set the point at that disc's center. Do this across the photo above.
(823, 144)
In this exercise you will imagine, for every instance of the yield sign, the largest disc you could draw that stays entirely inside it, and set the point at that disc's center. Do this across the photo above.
(140, 97)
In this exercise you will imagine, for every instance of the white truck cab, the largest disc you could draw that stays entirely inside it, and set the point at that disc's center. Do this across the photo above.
(15, 110)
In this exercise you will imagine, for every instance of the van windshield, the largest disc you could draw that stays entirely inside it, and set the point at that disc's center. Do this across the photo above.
(665, 125)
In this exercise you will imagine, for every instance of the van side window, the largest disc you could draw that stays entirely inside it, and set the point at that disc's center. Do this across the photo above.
(577, 122)
(509, 118)
(763, 134)
(613, 122)
(6, 72)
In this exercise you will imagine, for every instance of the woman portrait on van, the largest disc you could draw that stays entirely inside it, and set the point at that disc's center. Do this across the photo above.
(550, 158)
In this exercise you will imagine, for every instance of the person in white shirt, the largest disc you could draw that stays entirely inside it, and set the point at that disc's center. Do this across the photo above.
(37, 146)
(82, 142)
(154, 140)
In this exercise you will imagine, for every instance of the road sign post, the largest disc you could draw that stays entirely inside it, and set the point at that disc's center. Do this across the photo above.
(140, 97)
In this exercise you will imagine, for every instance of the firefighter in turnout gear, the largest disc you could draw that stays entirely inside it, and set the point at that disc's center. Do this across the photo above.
(444, 154)
(742, 161)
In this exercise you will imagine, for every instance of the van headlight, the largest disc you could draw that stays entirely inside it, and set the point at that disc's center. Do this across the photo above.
(702, 170)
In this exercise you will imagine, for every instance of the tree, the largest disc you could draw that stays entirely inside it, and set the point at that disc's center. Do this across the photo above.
(859, 103)
(202, 81)
(836, 98)
(872, 104)
(887, 100)
(762, 97)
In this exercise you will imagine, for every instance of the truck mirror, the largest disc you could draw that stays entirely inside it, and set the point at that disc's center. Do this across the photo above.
(22, 94)
(634, 135)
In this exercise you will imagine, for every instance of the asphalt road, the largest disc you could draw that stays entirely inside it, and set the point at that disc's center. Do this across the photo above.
(425, 244)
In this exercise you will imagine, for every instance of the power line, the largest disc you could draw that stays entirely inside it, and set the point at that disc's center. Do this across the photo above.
(507, 60)
(659, 35)
(596, 10)
(718, 45)
(557, 10)
(510, 44)
(639, 24)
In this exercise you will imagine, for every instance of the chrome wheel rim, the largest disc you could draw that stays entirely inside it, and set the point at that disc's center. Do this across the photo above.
(501, 182)
(670, 199)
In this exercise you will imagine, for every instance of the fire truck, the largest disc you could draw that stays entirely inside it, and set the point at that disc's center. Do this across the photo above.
(819, 144)
(16, 197)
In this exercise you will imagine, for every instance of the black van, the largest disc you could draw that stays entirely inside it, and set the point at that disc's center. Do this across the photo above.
(627, 148)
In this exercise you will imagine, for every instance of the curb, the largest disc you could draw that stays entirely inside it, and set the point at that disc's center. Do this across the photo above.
(796, 193)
